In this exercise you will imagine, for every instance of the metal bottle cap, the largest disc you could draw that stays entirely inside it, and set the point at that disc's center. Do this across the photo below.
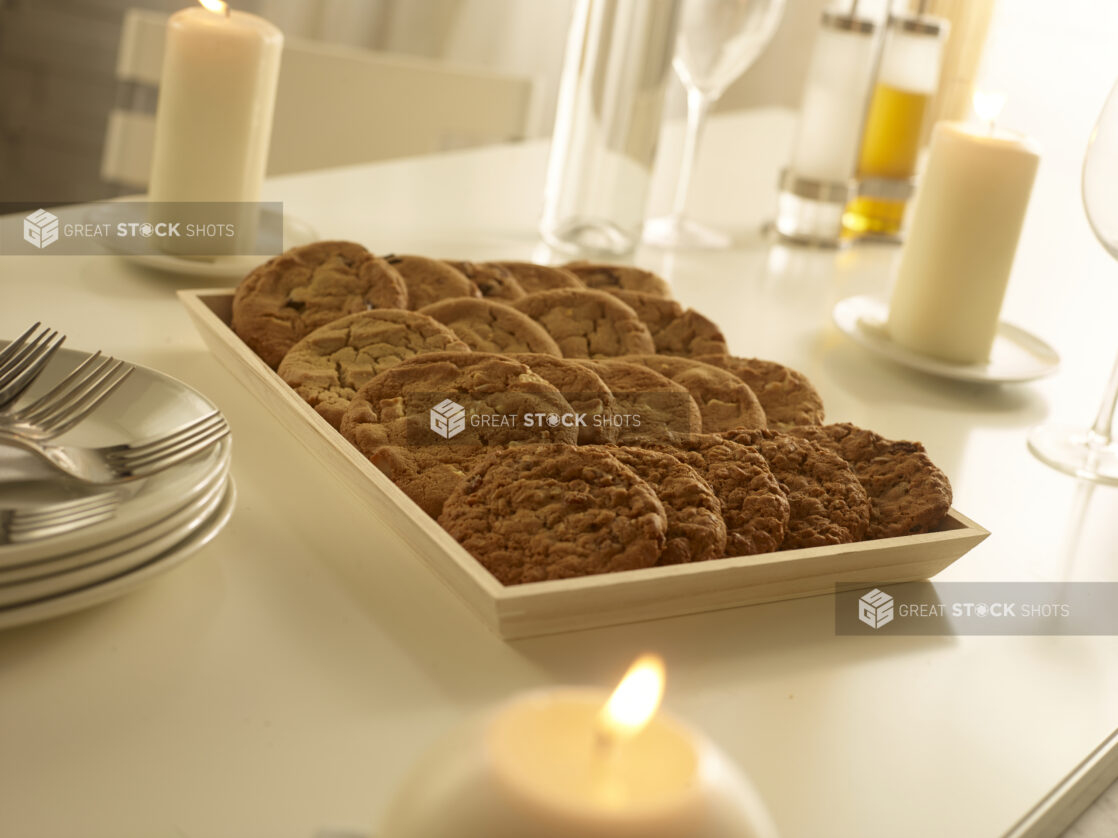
(919, 24)
(847, 23)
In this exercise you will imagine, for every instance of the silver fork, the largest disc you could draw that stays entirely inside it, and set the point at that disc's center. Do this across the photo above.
(128, 461)
(18, 526)
(69, 401)
(23, 359)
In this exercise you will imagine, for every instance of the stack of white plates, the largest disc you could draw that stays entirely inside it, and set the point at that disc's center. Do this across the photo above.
(160, 521)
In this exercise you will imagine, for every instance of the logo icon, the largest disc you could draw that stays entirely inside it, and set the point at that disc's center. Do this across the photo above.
(448, 419)
(40, 228)
(875, 609)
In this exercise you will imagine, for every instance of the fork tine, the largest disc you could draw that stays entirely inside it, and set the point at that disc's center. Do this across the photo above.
(184, 453)
(27, 355)
(169, 440)
(74, 399)
(24, 534)
(23, 414)
(40, 415)
(43, 515)
(76, 411)
(13, 348)
(10, 391)
(197, 441)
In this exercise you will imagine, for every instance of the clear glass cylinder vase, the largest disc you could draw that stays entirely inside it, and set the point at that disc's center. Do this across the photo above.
(607, 124)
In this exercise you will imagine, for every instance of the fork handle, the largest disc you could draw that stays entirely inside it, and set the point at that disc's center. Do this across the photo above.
(51, 454)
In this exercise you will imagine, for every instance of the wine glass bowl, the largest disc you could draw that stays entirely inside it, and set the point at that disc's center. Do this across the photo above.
(718, 41)
(1092, 453)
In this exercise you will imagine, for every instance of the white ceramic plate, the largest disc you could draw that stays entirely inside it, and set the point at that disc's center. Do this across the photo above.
(111, 588)
(86, 559)
(1017, 355)
(107, 567)
(295, 232)
(147, 404)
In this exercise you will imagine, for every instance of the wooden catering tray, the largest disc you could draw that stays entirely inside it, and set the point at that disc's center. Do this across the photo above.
(570, 604)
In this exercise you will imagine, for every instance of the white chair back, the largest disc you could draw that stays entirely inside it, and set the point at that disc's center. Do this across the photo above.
(335, 105)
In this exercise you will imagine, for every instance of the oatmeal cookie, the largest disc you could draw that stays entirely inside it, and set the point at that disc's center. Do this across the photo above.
(427, 474)
(828, 504)
(623, 277)
(292, 294)
(430, 280)
(456, 399)
(786, 395)
(724, 400)
(675, 330)
(754, 508)
(649, 405)
(488, 326)
(329, 365)
(696, 531)
(588, 324)
(584, 389)
(492, 280)
(908, 493)
(540, 512)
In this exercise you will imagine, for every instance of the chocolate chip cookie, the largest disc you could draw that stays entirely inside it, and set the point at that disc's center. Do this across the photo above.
(489, 326)
(724, 400)
(584, 389)
(649, 405)
(534, 278)
(430, 280)
(456, 399)
(696, 531)
(539, 512)
(292, 294)
(675, 330)
(754, 508)
(787, 396)
(329, 365)
(588, 324)
(492, 280)
(623, 277)
(908, 493)
(828, 504)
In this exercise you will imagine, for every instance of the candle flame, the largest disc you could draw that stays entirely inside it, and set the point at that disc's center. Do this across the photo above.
(635, 700)
(218, 7)
(988, 105)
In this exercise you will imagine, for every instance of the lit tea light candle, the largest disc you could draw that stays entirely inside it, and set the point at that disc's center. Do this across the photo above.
(966, 223)
(566, 762)
(217, 93)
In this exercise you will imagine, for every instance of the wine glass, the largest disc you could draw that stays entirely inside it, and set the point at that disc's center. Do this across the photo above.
(718, 41)
(1092, 453)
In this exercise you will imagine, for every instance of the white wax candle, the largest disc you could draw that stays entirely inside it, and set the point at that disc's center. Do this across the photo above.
(214, 116)
(534, 767)
(959, 251)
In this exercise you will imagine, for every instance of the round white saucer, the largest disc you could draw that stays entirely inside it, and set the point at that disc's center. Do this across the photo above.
(1017, 355)
(295, 232)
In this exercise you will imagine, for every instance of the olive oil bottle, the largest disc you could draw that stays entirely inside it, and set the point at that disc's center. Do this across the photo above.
(906, 82)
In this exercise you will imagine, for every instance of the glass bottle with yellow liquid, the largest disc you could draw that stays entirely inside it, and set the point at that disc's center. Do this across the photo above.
(906, 82)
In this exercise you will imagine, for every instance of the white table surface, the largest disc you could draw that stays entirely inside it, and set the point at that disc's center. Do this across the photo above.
(280, 682)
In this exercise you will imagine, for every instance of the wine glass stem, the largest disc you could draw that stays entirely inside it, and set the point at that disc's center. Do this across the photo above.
(698, 105)
(1104, 422)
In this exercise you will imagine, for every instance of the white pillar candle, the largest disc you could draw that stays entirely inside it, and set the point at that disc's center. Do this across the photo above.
(543, 765)
(216, 96)
(966, 222)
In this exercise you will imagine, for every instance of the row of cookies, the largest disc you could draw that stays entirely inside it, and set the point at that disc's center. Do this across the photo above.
(743, 491)
(290, 295)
